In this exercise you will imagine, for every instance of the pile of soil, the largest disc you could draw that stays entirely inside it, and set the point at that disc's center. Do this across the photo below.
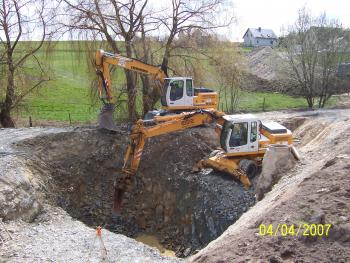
(268, 72)
(266, 63)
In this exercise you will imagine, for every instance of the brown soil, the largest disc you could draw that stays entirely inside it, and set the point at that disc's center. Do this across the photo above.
(317, 191)
(185, 211)
(70, 168)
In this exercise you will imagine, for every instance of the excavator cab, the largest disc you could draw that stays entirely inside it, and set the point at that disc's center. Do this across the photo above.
(178, 93)
(240, 134)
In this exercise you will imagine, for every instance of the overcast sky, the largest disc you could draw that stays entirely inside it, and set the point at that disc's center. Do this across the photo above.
(271, 14)
(275, 13)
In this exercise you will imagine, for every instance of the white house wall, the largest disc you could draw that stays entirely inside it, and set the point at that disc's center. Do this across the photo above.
(250, 41)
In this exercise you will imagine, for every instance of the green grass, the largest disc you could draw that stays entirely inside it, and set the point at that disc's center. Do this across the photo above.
(247, 49)
(254, 101)
(68, 93)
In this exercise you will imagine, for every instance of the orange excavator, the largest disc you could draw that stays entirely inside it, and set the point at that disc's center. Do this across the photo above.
(244, 140)
(177, 93)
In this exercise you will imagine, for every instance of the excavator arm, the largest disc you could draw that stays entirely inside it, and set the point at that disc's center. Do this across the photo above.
(239, 157)
(140, 132)
(104, 59)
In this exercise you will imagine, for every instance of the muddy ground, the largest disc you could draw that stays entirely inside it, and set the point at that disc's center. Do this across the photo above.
(56, 185)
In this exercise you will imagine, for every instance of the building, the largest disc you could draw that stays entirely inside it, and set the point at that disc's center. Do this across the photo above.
(259, 37)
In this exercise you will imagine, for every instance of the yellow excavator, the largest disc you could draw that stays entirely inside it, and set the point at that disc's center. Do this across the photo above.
(177, 93)
(244, 140)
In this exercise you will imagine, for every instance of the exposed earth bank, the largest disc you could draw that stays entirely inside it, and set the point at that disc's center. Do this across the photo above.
(317, 191)
(74, 169)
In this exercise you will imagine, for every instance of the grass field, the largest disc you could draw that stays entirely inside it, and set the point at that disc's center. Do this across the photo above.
(67, 95)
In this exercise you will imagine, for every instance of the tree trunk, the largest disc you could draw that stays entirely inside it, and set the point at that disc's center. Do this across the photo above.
(131, 90)
(146, 96)
(310, 102)
(5, 111)
(131, 87)
(166, 56)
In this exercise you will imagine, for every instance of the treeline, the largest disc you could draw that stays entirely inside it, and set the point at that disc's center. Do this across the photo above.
(173, 35)
(180, 36)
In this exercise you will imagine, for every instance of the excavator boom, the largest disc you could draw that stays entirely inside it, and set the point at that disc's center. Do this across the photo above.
(139, 134)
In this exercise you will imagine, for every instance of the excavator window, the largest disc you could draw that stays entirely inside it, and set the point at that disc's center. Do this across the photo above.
(164, 93)
(239, 134)
(253, 131)
(226, 128)
(189, 89)
(177, 89)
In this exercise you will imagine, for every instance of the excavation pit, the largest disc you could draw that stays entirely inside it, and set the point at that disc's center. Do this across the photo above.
(185, 211)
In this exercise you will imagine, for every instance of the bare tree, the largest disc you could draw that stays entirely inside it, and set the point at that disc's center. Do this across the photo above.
(110, 20)
(188, 15)
(185, 18)
(315, 48)
(229, 65)
(134, 22)
(23, 71)
(142, 47)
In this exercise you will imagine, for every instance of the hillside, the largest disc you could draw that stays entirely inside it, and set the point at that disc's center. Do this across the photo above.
(69, 96)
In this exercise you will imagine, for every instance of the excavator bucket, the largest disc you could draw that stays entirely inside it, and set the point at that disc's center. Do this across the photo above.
(106, 117)
(121, 185)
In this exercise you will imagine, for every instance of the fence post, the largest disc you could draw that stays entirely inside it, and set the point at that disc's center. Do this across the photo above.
(30, 121)
(70, 120)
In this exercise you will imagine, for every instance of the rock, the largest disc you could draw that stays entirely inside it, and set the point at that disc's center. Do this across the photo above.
(277, 160)
(18, 195)
(187, 252)
(286, 253)
(344, 219)
(275, 259)
(317, 218)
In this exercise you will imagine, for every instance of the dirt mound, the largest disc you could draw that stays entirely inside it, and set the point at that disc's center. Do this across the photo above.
(265, 63)
(268, 71)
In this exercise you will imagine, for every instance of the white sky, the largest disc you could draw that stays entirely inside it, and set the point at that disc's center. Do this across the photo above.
(272, 14)
(275, 13)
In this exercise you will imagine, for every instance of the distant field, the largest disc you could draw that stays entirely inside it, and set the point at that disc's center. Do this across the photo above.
(69, 92)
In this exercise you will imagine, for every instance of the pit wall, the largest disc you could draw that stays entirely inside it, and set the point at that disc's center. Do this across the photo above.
(184, 210)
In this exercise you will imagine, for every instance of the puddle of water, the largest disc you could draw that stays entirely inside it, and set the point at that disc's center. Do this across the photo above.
(152, 241)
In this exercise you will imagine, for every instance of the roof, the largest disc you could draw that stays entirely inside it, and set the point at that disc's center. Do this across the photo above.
(178, 78)
(261, 33)
(274, 127)
(240, 117)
